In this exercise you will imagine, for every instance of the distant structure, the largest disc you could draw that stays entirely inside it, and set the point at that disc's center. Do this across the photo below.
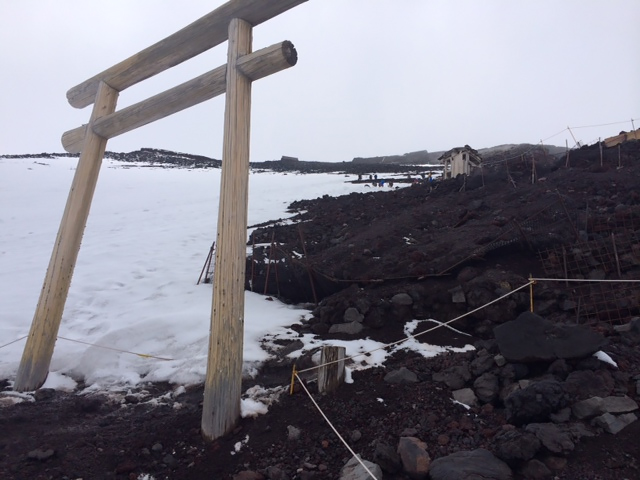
(285, 159)
(622, 137)
(460, 161)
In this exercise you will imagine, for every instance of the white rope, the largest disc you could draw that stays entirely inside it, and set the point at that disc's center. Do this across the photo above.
(334, 429)
(605, 124)
(581, 280)
(411, 337)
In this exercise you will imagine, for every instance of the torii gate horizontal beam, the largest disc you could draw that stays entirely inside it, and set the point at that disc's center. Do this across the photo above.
(201, 35)
(255, 65)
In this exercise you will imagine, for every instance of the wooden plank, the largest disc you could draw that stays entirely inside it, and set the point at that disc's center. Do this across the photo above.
(36, 358)
(201, 35)
(256, 65)
(331, 372)
(223, 383)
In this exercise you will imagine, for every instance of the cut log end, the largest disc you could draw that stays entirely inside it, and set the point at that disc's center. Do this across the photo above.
(72, 140)
(289, 52)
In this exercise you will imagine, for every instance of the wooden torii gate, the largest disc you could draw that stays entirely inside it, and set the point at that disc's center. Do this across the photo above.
(234, 22)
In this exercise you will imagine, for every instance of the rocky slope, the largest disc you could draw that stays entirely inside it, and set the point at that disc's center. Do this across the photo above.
(377, 260)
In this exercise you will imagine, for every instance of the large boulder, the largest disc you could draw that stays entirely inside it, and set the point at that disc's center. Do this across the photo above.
(354, 470)
(514, 446)
(530, 338)
(536, 402)
(470, 465)
(414, 457)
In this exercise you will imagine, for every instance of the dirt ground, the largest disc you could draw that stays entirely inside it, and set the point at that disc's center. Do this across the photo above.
(154, 432)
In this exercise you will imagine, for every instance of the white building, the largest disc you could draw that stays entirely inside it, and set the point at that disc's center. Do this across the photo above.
(460, 161)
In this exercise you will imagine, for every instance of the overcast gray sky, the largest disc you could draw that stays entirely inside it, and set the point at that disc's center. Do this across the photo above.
(374, 77)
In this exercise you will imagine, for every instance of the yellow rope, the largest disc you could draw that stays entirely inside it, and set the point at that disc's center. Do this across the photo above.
(293, 379)
(531, 293)
(143, 355)
(16, 340)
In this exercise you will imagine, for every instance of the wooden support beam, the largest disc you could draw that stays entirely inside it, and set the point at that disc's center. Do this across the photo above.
(223, 383)
(36, 358)
(256, 65)
(201, 35)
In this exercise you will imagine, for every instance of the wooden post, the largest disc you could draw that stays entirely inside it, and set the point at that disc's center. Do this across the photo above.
(266, 276)
(600, 145)
(566, 144)
(331, 376)
(533, 169)
(36, 358)
(615, 252)
(223, 384)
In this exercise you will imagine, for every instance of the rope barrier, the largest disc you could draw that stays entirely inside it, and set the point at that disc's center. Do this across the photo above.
(555, 135)
(581, 280)
(334, 429)
(14, 341)
(143, 355)
(410, 337)
(606, 124)
(295, 372)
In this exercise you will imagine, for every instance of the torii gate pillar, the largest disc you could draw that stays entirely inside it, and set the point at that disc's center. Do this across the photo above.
(223, 384)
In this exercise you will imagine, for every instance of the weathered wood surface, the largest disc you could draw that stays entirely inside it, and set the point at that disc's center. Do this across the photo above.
(36, 358)
(331, 376)
(223, 383)
(201, 35)
(256, 65)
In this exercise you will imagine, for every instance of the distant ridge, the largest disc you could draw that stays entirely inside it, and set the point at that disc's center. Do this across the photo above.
(417, 162)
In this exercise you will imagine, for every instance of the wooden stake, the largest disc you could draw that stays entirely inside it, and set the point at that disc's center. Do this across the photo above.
(309, 271)
(207, 264)
(600, 144)
(223, 383)
(615, 252)
(533, 169)
(266, 277)
(566, 143)
(36, 358)
(619, 157)
(253, 261)
(331, 376)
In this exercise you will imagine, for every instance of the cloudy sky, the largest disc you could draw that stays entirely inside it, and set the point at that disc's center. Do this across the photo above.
(374, 77)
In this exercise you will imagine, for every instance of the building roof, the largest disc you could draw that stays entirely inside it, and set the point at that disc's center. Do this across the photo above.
(473, 154)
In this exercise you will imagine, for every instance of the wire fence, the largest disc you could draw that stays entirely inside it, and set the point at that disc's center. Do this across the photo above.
(296, 374)
(577, 143)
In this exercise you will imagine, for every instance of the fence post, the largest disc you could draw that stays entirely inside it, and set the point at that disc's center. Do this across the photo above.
(331, 376)
(36, 358)
(223, 383)
(600, 145)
